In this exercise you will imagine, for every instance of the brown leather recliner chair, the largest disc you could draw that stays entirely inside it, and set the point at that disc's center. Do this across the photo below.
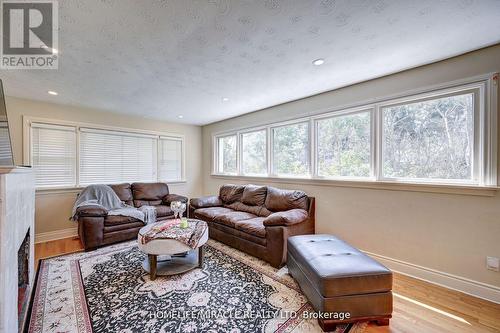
(96, 228)
(256, 219)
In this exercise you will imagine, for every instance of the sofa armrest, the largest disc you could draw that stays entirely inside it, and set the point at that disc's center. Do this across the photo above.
(91, 210)
(286, 218)
(205, 202)
(174, 197)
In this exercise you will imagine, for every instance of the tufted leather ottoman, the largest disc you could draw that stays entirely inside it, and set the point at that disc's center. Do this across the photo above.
(342, 283)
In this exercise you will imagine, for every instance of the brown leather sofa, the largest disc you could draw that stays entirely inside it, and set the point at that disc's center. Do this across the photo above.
(96, 228)
(256, 219)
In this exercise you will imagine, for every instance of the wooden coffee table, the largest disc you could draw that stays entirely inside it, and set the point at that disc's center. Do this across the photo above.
(175, 256)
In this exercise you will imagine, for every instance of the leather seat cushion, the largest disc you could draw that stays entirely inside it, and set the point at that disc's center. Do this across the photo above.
(241, 207)
(162, 210)
(211, 212)
(231, 218)
(110, 220)
(335, 268)
(252, 226)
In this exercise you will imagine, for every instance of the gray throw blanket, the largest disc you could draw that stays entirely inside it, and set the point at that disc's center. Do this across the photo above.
(104, 196)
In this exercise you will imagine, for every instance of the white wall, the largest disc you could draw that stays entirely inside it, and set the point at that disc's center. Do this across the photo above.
(448, 236)
(53, 208)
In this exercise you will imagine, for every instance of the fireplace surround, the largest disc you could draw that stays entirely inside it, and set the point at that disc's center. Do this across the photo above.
(17, 216)
(23, 278)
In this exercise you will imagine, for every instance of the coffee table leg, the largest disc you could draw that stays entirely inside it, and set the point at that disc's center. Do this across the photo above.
(152, 266)
(200, 257)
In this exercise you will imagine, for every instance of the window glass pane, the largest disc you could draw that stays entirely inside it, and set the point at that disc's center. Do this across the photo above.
(112, 157)
(344, 146)
(170, 159)
(430, 139)
(291, 150)
(227, 154)
(254, 153)
(53, 154)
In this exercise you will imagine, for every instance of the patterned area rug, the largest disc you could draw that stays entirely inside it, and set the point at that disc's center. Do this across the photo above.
(108, 291)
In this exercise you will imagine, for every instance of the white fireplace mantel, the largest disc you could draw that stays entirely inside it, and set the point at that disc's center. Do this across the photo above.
(17, 216)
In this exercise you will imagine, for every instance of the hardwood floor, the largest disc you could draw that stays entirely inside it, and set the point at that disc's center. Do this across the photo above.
(418, 306)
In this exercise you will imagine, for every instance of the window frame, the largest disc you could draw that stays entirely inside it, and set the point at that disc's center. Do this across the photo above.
(365, 109)
(217, 150)
(272, 172)
(27, 145)
(485, 133)
(183, 157)
(478, 115)
(239, 155)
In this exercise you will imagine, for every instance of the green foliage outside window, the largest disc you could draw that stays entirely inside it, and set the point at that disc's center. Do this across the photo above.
(291, 150)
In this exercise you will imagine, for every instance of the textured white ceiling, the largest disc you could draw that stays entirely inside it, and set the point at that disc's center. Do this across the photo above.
(161, 58)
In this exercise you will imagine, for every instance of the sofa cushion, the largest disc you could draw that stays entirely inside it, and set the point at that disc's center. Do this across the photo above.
(124, 192)
(254, 195)
(279, 200)
(231, 193)
(229, 231)
(140, 203)
(264, 212)
(118, 219)
(287, 217)
(162, 210)
(117, 227)
(241, 207)
(253, 226)
(91, 210)
(169, 198)
(211, 212)
(208, 201)
(149, 191)
(231, 218)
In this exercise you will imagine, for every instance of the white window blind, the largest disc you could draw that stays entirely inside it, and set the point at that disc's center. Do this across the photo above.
(53, 153)
(170, 159)
(5, 148)
(113, 157)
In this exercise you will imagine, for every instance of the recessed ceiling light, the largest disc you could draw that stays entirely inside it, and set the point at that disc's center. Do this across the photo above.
(225, 99)
(319, 62)
(55, 93)
(180, 116)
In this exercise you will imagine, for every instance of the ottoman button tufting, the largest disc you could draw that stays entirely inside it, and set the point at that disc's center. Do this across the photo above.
(348, 279)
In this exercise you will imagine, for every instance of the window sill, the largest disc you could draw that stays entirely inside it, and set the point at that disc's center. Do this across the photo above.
(457, 189)
(78, 189)
(58, 190)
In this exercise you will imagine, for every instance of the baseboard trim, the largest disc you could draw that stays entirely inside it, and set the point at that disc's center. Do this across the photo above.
(467, 286)
(55, 235)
